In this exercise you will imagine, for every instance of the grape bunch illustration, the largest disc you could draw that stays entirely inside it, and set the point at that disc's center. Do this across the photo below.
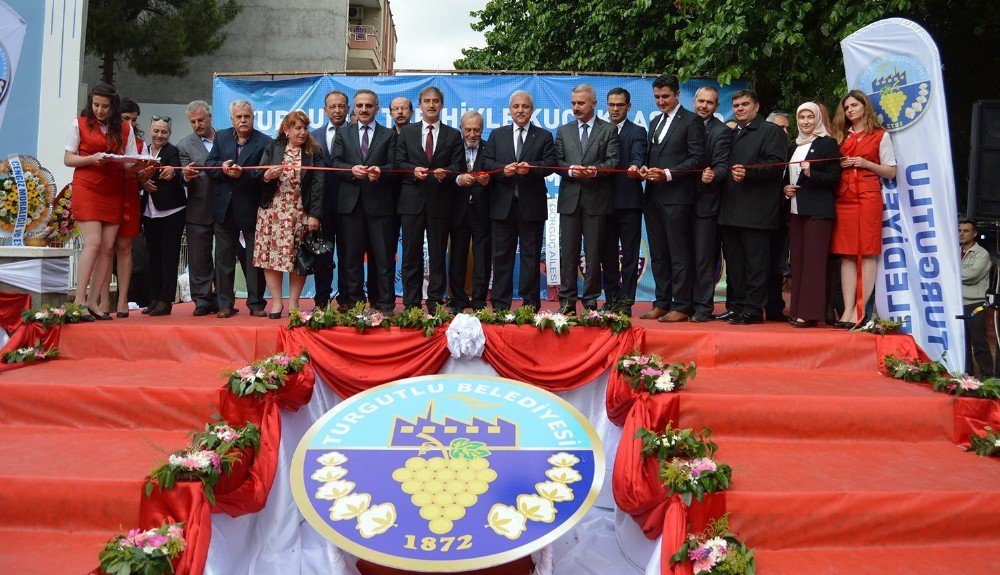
(443, 487)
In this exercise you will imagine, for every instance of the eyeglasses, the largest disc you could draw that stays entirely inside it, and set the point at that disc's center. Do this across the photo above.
(161, 119)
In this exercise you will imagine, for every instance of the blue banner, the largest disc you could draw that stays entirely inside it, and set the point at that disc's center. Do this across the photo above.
(488, 94)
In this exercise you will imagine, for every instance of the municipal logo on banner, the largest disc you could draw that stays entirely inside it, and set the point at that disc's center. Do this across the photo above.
(899, 87)
(447, 473)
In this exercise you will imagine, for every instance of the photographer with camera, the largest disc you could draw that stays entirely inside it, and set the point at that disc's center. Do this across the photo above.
(975, 280)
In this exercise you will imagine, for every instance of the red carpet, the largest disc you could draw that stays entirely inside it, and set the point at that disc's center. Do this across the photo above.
(837, 470)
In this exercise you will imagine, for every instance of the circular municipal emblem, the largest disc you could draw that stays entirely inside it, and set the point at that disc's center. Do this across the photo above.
(4, 72)
(447, 473)
(899, 87)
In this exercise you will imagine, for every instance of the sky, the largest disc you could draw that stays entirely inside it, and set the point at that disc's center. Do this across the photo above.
(432, 39)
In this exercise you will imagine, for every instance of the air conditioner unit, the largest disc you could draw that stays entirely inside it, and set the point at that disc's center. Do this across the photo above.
(355, 13)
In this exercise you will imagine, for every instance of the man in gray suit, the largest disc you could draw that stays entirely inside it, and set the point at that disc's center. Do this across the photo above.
(583, 146)
(193, 150)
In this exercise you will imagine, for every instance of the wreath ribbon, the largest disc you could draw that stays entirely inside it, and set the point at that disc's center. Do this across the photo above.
(22, 195)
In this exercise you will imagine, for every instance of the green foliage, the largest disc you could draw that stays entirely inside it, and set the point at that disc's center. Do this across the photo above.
(155, 36)
(737, 559)
(49, 315)
(30, 354)
(462, 448)
(416, 318)
(360, 317)
(985, 445)
(676, 443)
(265, 375)
(652, 375)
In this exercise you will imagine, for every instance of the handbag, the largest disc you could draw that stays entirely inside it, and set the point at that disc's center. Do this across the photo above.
(314, 254)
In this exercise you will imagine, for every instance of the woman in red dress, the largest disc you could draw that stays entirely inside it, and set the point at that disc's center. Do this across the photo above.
(857, 234)
(98, 188)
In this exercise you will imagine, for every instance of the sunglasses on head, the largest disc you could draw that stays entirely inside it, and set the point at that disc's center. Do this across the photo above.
(161, 119)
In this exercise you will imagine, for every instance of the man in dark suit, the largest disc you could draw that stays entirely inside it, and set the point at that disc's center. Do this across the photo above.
(676, 147)
(584, 145)
(750, 207)
(194, 149)
(470, 221)
(518, 199)
(335, 106)
(234, 207)
(431, 150)
(366, 202)
(620, 265)
(718, 141)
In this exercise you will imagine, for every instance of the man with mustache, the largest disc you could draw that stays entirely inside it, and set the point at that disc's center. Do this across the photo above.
(335, 107)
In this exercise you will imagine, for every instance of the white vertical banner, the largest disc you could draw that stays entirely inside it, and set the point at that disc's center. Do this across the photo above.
(12, 31)
(919, 282)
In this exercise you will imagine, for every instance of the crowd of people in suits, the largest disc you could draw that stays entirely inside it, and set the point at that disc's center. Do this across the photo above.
(697, 183)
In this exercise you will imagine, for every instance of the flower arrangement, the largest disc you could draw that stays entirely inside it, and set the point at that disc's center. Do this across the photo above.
(49, 315)
(880, 325)
(143, 552)
(557, 322)
(359, 317)
(651, 374)
(40, 187)
(265, 375)
(199, 462)
(985, 445)
(716, 551)
(687, 467)
(30, 354)
(418, 319)
(62, 226)
(936, 374)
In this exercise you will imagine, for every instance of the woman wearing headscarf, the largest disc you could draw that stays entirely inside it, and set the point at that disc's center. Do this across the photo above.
(810, 187)
(868, 157)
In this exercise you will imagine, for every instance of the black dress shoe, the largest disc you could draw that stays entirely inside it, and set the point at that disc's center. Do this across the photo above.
(258, 313)
(99, 315)
(778, 317)
(275, 314)
(198, 311)
(701, 317)
(804, 323)
(725, 316)
(843, 324)
(746, 319)
(161, 310)
(121, 314)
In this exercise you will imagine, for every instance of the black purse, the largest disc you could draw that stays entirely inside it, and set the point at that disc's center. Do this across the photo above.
(314, 254)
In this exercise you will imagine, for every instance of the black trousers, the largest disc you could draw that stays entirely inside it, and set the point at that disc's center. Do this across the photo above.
(976, 344)
(474, 227)
(572, 229)
(227, 252)
(436, 229)
(508, 235)
(620, 256)
(669, 231)
(747, 264)
(706, 262)
(363, 233)
(163, 240)
(779, 251)
(324, 278)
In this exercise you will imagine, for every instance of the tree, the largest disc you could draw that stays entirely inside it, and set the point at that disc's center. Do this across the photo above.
(789, 50)
(155, 36)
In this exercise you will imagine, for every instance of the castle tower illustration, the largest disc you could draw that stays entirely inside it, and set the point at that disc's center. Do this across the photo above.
(498, 433)
(894, 80)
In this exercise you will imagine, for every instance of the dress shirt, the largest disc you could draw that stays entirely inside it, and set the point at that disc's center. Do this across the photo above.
(371, 132)
(151, 211)
(331, 133)
(590, 134)
(423, 134)
(523, 135)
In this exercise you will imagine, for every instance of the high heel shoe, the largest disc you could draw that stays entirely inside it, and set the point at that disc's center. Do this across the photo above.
(276, 314)
(122, 314)
(99, 315)
(843, 324)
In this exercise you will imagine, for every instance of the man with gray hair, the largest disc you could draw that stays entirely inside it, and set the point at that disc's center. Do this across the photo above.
(583, 146)
(234, 208)
(194, 151)
(470, 220)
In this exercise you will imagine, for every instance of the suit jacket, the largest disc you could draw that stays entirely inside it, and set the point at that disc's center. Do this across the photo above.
(331, 184)
(682, 148)
(310, 181)
(815, 196)
(626, 193)
(169, 193)
(594, 194)
(242, 192)
(430, 194)
(718, 143)
(199, 190)
(755, 202)
(538, 150)
(477, 195)
(379, 198)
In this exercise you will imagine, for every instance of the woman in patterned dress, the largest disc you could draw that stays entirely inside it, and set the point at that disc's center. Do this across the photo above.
(291, 203)
(857, 234)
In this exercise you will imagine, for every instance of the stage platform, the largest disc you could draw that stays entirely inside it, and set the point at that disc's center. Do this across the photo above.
(837, 469)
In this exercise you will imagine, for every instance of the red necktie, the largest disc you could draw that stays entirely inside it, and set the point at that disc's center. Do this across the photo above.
(429, 144)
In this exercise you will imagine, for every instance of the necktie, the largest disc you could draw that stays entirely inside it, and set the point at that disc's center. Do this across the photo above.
(364, 141)
(662, 128)
(518, 144)
(584, 137)
(429, 144)
(470, 158)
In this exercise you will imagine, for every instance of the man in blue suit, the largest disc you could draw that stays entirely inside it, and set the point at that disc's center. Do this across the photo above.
(336, 108)
(624, 225)
(234, 208)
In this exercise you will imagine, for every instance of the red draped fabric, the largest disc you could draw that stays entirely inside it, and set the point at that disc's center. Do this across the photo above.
(185, 502)
(27, 335)
(900, 345)
(11, 306)
(619, 398)
(972, 415)
(386, 355)
(552, 362)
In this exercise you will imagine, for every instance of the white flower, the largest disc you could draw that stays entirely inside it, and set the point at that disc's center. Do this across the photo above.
(664, 383)
(922, 99)
(332, 458)
(536, 508)
(917, 106)
(563, 459)
(559, 320)
(506, 520)
(554, 491)
(509, 317)
(996, 443)
(329, 473)
(376, 520)
(910, 113)
(350, 506)
(563, 475)
(334, 490)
